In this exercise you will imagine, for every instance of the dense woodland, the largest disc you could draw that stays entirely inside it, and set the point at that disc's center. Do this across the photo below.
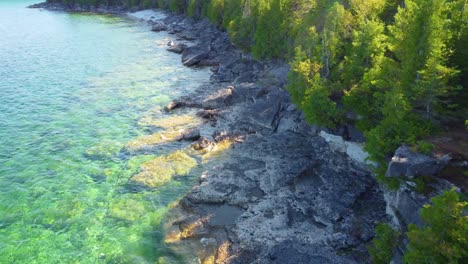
(397, 69)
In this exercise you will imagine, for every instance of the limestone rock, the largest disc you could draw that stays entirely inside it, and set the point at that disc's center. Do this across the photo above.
(408, 163)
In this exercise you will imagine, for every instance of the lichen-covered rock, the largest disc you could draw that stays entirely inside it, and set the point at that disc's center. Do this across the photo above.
(408, 163)
(160, 170)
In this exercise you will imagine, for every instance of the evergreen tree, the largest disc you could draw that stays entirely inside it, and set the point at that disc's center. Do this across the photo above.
(418, 41)
(444, 237)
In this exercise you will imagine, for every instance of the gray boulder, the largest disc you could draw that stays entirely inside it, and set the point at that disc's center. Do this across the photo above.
(159, 26)
(177, 48)
(408, 163)
(193, 55)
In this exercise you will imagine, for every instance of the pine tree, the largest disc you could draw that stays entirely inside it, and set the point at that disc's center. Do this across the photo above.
(444, 237)
(418, 41)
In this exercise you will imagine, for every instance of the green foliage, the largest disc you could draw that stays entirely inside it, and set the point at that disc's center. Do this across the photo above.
(397, 126)
(161, 4)
(149, 4)
(424, 147)
(215, 11)
(270, 36)
(444, 237)
(192, 8)
(423, 184)
(382, 246)
(177, 5)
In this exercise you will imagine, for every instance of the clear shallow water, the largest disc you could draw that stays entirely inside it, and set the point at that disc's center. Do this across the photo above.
(72, 89)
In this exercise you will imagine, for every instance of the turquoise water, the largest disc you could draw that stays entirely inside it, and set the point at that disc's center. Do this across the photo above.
(72, 89)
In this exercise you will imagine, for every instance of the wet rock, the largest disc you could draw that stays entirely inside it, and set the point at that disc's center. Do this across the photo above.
(408, 163)
(173, 105)
(191, 134)
(203, 144)
(177, 48)
(104, 150)
(127, 209)
(192, 227)
(172, 121)
(180, 103)
(159, 26)
(147, 143)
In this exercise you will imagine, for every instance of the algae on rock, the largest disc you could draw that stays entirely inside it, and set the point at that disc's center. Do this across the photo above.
(127, 209)
(104, 149)
(160, 170)
(154, 139)
(217, 150)
(179, 121)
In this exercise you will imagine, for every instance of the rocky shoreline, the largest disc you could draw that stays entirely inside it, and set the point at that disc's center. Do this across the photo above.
(281, 193)
(274, 189)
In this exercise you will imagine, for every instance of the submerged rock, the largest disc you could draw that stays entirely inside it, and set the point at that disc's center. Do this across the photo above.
(160, 170)
(172, 121)
(104, 150)
(149, 142)
(127, 209)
